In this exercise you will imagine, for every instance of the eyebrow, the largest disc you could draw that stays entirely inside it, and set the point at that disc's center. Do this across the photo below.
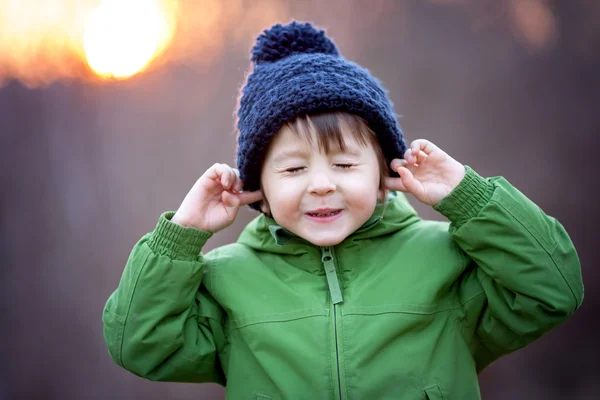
(350, 150)
(288, 154)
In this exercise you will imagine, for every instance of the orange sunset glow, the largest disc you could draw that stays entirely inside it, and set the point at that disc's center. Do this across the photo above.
(122, 36)
(98, 41)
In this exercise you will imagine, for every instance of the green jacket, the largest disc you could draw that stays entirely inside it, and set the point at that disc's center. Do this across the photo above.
(403, 308)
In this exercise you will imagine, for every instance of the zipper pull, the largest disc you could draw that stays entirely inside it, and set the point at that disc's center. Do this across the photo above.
(332, 280)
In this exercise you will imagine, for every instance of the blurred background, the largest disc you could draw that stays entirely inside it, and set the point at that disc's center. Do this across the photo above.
(110, 111)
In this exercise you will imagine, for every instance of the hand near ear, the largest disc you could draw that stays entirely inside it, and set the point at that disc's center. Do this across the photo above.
(427, 172)
(213, 202)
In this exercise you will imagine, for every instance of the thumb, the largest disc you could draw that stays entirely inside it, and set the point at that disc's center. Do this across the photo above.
(409, 181)
(230, 200)
(250, 197)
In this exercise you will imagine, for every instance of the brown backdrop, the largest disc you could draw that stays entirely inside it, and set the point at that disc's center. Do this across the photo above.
(86, 169)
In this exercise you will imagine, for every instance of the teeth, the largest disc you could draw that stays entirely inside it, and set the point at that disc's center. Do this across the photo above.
(324, 214)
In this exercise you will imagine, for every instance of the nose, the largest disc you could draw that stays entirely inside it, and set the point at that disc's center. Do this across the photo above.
(321, 184)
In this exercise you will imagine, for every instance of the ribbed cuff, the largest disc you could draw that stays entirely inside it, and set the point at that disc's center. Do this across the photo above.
(467, 199)
(176, 241)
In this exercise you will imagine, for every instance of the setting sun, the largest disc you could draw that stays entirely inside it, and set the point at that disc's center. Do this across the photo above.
(122, 36)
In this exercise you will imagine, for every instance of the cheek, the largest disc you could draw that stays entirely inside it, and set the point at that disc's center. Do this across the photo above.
(285, 196)
(366, 182)
(361, 192)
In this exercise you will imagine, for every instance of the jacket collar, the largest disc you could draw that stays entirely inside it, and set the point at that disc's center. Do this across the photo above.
(263, 233)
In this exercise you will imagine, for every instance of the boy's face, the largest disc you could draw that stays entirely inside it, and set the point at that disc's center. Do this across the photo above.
(322, 198)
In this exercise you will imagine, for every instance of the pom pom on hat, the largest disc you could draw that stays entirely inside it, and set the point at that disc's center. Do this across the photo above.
(281, 41)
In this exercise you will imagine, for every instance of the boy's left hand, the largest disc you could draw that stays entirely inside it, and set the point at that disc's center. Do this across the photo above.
(427, 172)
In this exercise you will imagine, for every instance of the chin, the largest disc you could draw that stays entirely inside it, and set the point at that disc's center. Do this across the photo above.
(326, 242)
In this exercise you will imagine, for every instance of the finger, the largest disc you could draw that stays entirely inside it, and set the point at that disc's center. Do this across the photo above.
(227, 178)
(230, 200)
(395, 184)
(239, 185)
(223, 178)
(424, 145)
(397, 163)
(215, 171)
(410, 158)
(414, 157)
(419, 156)
(410, 183)
(249, 197)
(407, 154)
(403, 163)
(214, 176)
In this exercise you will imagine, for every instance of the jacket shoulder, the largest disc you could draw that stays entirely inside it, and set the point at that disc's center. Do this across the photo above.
(430, 230)
(229, 252)
(431, 239)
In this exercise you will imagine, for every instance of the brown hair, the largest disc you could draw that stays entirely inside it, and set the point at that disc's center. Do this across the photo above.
(328, 128)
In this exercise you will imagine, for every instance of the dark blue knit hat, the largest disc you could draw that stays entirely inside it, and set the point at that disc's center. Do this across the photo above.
(298, 70)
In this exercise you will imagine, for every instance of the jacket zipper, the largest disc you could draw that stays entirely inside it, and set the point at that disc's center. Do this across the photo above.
(336, 298)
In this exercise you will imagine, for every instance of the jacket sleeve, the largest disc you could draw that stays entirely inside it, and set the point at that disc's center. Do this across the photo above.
(161, 323)
(524, 278)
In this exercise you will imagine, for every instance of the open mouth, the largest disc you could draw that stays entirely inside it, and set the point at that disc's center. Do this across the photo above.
(327, 214)
(324, 216)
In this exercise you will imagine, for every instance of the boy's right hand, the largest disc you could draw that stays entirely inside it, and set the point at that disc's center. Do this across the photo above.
(213, 202)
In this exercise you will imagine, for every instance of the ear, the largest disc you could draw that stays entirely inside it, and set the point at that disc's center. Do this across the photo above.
(264, 207)
(382, 194)
(264, 204)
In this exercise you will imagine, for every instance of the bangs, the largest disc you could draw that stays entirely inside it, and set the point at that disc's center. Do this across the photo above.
(327, 127)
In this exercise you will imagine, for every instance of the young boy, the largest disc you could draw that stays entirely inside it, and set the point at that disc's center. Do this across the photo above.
(338, 289)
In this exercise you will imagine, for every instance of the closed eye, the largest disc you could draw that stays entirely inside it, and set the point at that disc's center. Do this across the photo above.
(293, 170)
(298, 169)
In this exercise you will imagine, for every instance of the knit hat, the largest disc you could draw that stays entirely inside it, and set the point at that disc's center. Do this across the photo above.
(298, 70)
